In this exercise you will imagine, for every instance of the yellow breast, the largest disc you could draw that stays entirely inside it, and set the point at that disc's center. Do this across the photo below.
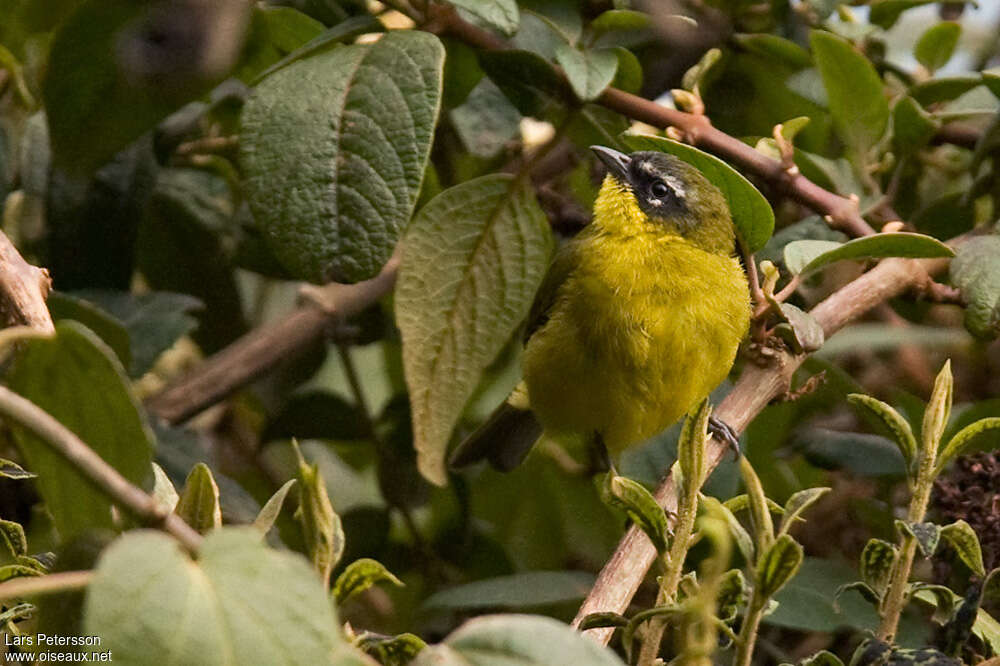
(642, 330)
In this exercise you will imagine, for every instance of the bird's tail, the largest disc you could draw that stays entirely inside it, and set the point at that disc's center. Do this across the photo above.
(504, 439)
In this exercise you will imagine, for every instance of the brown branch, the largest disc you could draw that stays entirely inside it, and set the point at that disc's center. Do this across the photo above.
(957, 134)
(104, 477)
(258, 351)
(35, 586)
(755, 389)
(23, 290)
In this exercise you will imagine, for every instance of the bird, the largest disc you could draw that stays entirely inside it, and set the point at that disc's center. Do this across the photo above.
(639, 318)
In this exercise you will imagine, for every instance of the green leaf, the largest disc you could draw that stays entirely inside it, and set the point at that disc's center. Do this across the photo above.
(628, 76)
(796, 504)
(944, 599)
(275, 33)
(740, 535)
(822, 658)
(501, 15)
(802, 330)
(964, 438)
(359, 576)
(182, 247)
(936, 46)
(75, 378)
(691, 448)
(321, 526)
(696, 75)
(944, 89)
(487, 121)
(163, 490)
(472, 261)
(525, 640)
(912, 127)
(778, 565)
(938, 409)
(772, 47)
(976, 272)
(805, 256)
(107, 83)
(11, 470)
(9, 571)
(198, 504)
(153, 321)
(13, 537)
(111, 331)
(530, 82)
(760, 512)
(393, 650)
(752, 215)
(589, 71)
(521, 590)
(639, 505)
(884, 13)
(876, 563)
(334, 148)
(327, 39)
(963, 539)
(900, 428)
(856, 99)
(619, 20)
(269, 512)
(239, 603)
(927, 535)
(732, 593)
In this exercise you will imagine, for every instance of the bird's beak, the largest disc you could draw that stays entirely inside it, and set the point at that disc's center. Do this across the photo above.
(616, 162)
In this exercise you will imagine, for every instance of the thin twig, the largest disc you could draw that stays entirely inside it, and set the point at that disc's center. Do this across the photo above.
(105, 478)
(258, 351)
(53, 583)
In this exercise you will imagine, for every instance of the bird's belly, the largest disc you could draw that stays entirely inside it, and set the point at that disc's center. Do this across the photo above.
(629, 364)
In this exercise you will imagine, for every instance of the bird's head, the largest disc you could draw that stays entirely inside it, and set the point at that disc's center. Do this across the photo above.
(656, 192)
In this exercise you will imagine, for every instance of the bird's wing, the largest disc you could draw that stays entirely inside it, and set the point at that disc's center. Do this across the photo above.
(559, 271)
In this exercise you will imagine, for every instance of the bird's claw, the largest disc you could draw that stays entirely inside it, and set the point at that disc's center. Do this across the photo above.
(725, 433)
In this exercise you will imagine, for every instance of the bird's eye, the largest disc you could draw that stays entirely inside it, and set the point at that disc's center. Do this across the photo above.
(659, 189)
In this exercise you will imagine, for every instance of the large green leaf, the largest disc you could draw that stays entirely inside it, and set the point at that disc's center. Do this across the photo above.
(976, 272)
(109, 80)
(240, 602)
(806, 256)
(334, 147)
(525, 640)
(76, 378)
(854, 89)
(589, 71)
(752, 215)
(501, 15)
(472, 261)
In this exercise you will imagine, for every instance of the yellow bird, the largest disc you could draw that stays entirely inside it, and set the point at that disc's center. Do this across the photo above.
(638, 319)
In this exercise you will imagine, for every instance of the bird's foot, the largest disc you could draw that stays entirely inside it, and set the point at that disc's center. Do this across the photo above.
(725, 433)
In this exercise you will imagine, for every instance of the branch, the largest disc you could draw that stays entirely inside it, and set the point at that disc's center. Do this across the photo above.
(33, 586)
(23, 290)
(756, 387)
(258, 351)
(105, 477)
